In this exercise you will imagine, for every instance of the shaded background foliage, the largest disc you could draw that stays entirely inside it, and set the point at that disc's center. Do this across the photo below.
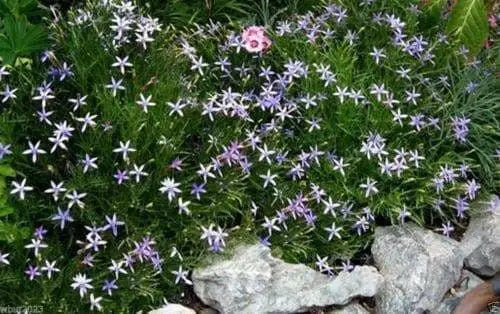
(180, 12)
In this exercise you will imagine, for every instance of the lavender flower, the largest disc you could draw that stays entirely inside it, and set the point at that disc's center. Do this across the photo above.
(88, 120)
(276, 104)
(78, 102)
(198, 190)
(170, 187)
(145, 103)
(218, 242)
(369, 187)
(121, 176)
(183, 206)
(403, 214)
(8, 93)
(138, 172)
(20, 188)
(88, 260)
(32, 272)
(417, 121)
(447, 174)
(333, 231)
(122, 63)
(346, 266)
(116, 268)
(361, 225)
(323, 266)
(124, 149)
(3, 72)
(265, 154)
(75, 198)
(461, 205)
(109, 286)
(472, 188)
(157, 262)
(181, 275)
(374, 145)
(36, 245)
(268, 178)
(34, 151)
(265, 241)
(330, 206)
(50, 268)
(3, 258)
(339, 165)
(63, 217)
(89, 163)
(460, 128)
(4, 150)
(269, 224)
(115, 86)
(113, 224)
(128, 261)
(446, 229)
(377, 54)
(471, 87)
(176, 164)
(95, 303)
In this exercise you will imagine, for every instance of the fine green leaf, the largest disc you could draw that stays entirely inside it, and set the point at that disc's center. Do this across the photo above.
(7, 171)
(20, 38)
(3, 186)
(10, 232)
(6, 210)
(468, 22)
(437, 5)
(18, 8)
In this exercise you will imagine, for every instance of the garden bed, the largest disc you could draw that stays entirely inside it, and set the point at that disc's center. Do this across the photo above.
(134, 149)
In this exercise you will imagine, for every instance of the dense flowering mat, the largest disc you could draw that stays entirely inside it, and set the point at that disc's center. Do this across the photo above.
(132, 149)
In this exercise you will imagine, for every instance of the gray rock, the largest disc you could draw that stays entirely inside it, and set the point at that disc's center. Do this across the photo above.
(208, 310)
(481, 243)
(452, 299)
(418, 266)
(173, 309)
(253, 281)
(351, 308)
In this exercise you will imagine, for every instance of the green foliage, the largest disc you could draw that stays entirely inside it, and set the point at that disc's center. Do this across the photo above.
(182, 12)
(437, 5)
(20, 38)
(469, 24)
(20, 8)
(8, 231)
(11, 232)
(7, 171)
(434, 13)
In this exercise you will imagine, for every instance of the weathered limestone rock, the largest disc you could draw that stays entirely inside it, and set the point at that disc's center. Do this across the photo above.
(173, 309)
(418, 266)
(452, 299)
(351, 308)
(481, 243)
(253, 281)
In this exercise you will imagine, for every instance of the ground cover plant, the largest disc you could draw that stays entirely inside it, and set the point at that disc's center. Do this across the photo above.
(132, 151)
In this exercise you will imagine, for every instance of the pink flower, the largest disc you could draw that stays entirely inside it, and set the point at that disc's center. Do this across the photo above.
(493, 21)
(266, 42)
(253, 32)
(255, 39)
(254, 44)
